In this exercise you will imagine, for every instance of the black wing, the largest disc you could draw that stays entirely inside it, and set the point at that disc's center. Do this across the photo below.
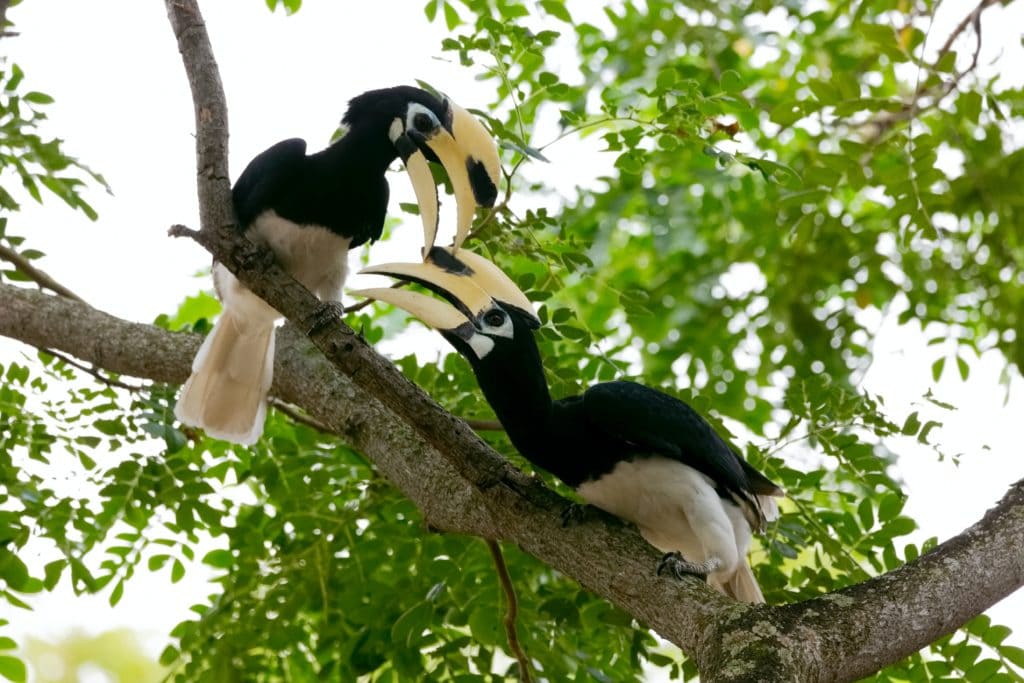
(656, 422)
(266, 179)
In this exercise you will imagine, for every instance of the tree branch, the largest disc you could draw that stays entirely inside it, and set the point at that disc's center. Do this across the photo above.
(842, 636)
(511, 612)
(25, 267)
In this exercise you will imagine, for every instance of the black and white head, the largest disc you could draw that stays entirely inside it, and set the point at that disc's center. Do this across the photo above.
(424, 127)
(483, 311)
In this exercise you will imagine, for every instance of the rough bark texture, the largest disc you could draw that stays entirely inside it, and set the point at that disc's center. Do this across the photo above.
(462, 485)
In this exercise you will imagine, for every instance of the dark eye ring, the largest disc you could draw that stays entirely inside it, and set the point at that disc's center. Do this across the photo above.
(422, 123)
(495, 318)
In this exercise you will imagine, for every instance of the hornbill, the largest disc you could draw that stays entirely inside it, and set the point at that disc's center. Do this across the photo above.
(310, 209)
(633, 451)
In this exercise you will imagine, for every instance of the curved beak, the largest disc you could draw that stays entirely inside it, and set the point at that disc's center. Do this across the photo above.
(422, 184)
(471, 283)
(487, 276)
(434, 312)
(470, 156)
(459, 289)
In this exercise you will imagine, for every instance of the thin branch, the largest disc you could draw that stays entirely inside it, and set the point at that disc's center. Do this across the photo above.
(974, 17)
(298, 416)
(109, 381)
(23, 266)
(881, 124)
(4, 4)
(511, 613)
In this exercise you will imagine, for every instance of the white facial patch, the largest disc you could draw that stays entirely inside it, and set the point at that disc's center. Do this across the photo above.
(416, 109)
(481, 345)
(505, 329)
(396, 130)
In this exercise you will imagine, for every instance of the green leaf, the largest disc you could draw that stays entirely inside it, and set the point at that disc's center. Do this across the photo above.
(731, 82)
(37, 98)
(430, 9)
(451, 17)
(557, 9)
(963, 367)
(12, 669)
(177, 571)
(912, 424)
(115, 595)
(221, 559)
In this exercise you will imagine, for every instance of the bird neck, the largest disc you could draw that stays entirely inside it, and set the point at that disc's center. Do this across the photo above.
(365, 150)
(513, 382)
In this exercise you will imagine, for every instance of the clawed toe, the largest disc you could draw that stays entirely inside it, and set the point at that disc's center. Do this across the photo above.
(327, 313)
(674, 564)
(573, 513)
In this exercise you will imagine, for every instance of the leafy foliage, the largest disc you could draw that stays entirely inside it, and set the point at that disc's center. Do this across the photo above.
(776, 178)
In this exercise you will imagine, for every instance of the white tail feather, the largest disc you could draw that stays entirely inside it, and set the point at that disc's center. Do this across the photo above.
(231, 376)
(742, 585)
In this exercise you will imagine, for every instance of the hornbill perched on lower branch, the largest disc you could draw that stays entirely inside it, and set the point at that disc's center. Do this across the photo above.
(633, 451)
(310, 210)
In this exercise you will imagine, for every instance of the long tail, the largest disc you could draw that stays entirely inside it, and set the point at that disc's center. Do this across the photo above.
(231, 376)
(742, 585)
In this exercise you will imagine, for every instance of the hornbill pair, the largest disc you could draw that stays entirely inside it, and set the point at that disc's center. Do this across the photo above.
(628, 449)
(633, 451)
(310, 210)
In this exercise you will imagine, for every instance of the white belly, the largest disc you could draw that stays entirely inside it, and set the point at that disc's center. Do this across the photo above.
(674, 506)
(315, 256)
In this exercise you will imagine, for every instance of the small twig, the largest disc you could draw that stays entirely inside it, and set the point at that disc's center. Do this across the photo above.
(972, 18)
(511, 613)
(179, 230)
(39, 277)
(485, 425)
(300, 417)
(883, 123)
(4, 4)
(109, 381)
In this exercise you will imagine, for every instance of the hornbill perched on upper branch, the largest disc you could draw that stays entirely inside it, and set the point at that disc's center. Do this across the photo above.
(633, 451)
(310, 210)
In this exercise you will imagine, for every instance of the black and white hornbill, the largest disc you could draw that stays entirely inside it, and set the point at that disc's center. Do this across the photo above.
(633, 451)
(310, 209)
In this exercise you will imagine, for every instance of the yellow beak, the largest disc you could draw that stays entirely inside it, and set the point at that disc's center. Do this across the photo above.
(470, 156)
(433, 312)
(471, 283)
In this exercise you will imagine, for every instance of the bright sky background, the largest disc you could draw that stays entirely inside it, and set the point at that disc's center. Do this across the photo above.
(123, 106)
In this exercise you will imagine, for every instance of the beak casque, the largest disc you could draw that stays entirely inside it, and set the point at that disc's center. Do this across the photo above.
(471, 283)
(470, 156)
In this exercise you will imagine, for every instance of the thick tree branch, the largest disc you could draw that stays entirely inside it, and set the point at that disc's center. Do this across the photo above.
(500, 502)
(843, 636)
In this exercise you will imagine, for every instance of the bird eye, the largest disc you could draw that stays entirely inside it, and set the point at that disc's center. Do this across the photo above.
(495, 318)
(422, 123)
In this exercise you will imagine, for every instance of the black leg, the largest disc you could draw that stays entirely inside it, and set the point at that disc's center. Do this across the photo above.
(326, 314)
(574, 513)
(675, 565)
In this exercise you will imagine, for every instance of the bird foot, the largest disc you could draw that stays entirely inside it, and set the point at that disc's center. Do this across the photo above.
(326, 314)
(675, 565)
(574, 513)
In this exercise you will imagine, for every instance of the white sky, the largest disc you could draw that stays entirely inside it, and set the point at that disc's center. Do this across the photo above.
(123, 107)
